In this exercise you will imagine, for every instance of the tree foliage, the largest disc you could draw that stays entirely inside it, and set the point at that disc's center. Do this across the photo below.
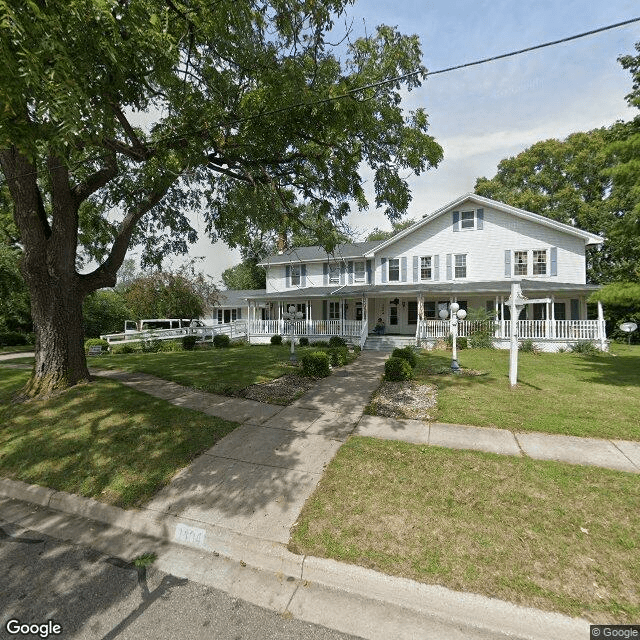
(120, 116)
(245, 275)
(104, 311)
(14, 296)
(396, 227)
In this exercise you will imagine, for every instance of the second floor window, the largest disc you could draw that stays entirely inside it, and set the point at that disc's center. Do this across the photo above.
(461, 265)
(358, 271)
(394, 269)
(425, 268)
(540, 263)
(468, 220)
(334, 273)
(295, 276)
(519, 263)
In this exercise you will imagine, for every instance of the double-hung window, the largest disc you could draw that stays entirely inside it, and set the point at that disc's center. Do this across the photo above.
(358, 271)
(334, 273)
(540, 263)
(394, 269)
(425, 268)
(461, 265)
(519, 263)
(334, 311)
(295, 275)
(468, 220)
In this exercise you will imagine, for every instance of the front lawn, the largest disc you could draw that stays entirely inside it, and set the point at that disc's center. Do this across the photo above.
(223, 371)
(542, 534)
(589, 396)
(102, 440)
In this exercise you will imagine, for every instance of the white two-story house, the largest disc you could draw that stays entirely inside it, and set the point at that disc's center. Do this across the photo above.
(470, 251)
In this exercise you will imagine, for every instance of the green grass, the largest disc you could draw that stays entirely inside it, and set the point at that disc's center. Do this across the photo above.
(590, 396)
(17, 349)
(223, 371)
(101, 440)
(543, 534)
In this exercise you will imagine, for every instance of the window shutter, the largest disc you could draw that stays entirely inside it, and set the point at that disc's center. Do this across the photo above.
(456, 221)
(575, 309)
(325, 274)
(239, 313)
(288, 276)
(303, 275)
(416, 274)
(449, 271)
(436, 267)
(554, 261)
(507, 263)
(369, 271)
(342, 274)
(403, 269)
(350, 272)
(324, 309)
(479, 218)
(383, 266)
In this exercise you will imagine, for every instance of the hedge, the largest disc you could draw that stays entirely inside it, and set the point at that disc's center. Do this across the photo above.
(316, 364)
(397, 370)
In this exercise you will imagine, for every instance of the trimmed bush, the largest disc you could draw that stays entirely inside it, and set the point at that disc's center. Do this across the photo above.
(13, 339)
(462, 343)
(338, 356)
(95, 342)
(397, 370)
(304, 342)
(221, 341)
(406, 353)
(171, 345)
(337, 341)
(276, 339)
(189, 342)
(123, 348)
(316, 364)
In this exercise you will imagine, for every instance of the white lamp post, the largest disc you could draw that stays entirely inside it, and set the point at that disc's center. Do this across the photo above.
(291, 316)
(456, 314)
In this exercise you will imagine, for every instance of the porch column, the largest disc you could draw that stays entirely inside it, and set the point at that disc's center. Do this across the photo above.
(280, 320)
(308, 310)
(502, 316)
(496, 331)
(547, 317)
(341, 316)
(553, 317)
(601, 326)
(420, 314)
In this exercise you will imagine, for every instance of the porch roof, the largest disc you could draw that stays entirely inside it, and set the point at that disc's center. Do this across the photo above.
(453, 288)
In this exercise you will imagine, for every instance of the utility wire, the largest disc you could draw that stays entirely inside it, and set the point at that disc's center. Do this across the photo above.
(395, 79)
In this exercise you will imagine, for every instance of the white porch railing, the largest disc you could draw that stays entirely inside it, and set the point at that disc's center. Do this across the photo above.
(237, 329)
(349, 328)
(527, 329)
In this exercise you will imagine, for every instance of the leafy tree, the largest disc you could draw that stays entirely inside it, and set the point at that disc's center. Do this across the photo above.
(218, 85)
(396, 227)
(246, 275)
(569, 181)
(104, 311)
(14, 296)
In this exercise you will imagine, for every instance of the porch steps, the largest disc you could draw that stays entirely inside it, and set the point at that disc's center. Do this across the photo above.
(388, 343)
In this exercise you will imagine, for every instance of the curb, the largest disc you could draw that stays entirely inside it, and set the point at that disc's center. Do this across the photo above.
(324, 579)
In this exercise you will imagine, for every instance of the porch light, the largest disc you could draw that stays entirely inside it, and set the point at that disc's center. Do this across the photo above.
(291, 316)
(456, 314)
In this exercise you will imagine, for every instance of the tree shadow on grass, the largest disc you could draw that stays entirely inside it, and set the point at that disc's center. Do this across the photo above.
(622, 370)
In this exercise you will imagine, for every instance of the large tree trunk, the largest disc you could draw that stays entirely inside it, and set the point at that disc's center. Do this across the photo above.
(56, 307)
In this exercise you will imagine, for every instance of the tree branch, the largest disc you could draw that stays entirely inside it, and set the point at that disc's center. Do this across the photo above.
(97, 180)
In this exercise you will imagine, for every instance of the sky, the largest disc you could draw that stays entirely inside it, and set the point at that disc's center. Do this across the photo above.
(488, 112)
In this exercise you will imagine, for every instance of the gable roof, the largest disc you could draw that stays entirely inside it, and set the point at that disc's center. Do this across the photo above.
(318, 253)
(589, 238)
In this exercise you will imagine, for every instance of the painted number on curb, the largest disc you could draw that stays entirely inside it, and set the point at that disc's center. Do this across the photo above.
(190, 535)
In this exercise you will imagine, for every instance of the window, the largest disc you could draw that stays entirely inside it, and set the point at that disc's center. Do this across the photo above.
(425, 268)
(358, 310)
(519, 263)
(490, 308)
(334, 273)
(334, 311)
(429, 309)
(394, 269)
(412, 312)
(295, 276)
(358, 271)
(540, 263)
(468, 220)
(461, 265)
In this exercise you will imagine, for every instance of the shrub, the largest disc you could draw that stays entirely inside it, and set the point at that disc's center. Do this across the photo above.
(151, 346)
(95, 342)
(585, 348)
(462, 343)
(357, 349)
(397, 369)
(528, 346)
(170, 345)
(406, 353)
(123, 348)
(304, 342)
(321, 343)
(481, 339)
(189, 342)
(316, 364)
(276, 339)
(221, 341)
(338, 356)
(337, 341)
(13, 338)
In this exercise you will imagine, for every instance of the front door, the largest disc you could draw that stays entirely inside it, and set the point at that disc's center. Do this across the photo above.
(394, 318)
